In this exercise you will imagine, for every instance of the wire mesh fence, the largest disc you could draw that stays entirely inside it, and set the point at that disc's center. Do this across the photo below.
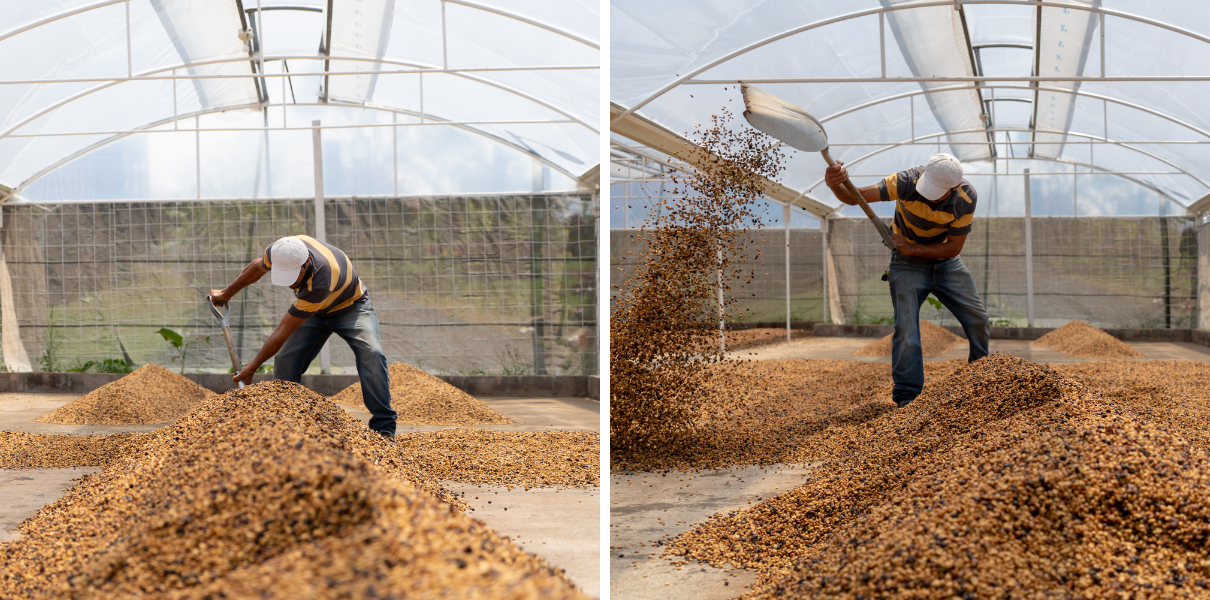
(1127, 272)
(501, 284)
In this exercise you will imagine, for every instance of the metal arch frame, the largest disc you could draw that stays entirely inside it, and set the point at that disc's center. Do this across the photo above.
(1139, 107)
(1025, 130)
(527, 21)
(878, 11)
(336, 104)
(57, 17)
(53, 107)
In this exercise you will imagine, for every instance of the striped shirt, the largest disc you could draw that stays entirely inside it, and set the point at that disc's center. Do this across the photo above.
(329, 286)
(923, 222)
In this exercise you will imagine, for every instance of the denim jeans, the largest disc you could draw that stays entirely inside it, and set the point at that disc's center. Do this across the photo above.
(359, 327)
(952, 284)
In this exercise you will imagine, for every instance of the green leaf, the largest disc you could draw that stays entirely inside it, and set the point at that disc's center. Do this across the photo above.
(172, 337)
(935, 302)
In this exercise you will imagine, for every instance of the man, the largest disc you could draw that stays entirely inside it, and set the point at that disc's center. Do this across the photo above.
(330, 299)
(934, 209)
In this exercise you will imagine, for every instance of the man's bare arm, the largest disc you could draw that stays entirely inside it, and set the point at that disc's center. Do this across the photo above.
(276, 339)
(835, 177)
(250, 275)
(948, 249)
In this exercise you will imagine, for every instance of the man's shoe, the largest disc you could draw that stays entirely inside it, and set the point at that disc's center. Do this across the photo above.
(389, 436)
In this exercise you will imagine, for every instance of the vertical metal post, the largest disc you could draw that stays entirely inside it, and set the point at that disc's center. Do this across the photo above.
(1075, 191)
(445, 63)
(1029, 257)
(882, 42)
(1102, 44)
(722, 332)
(786, 217)
(597, 273)
(197, 153)
(421, 76)
(395, 147)
(823, 238)
(129, 53)
(260, 53)
(912, 115)
(175, 119)
(321, 234)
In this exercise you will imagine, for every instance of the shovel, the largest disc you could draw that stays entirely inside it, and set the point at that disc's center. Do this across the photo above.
(798, 129)
(222, 317)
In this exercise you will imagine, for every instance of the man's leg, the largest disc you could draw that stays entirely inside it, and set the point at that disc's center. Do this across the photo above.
(955, 288)
(910, 285)
(359, 327)
(300, 349)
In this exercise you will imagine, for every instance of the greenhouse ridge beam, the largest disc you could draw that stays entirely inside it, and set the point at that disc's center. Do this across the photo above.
(655, 136)
(877, 11)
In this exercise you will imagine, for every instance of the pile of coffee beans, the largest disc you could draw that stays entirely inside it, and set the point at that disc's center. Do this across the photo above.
(149, 395)
(267, 491)
(1078, 338)
(934, 340)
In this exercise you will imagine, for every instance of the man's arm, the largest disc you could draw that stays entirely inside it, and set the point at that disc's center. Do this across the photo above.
(950, 248)
(835, 177)
(276, 339)
(250, 275)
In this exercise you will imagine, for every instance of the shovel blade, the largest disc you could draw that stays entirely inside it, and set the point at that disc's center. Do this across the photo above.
(782, 120)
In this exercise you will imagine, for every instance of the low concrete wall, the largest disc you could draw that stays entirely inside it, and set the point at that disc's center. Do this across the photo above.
(578, 386)
(594, 388)
(1024, 333)
(742, 325)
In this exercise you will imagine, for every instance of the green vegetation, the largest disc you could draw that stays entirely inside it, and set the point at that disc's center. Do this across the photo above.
(181, 345)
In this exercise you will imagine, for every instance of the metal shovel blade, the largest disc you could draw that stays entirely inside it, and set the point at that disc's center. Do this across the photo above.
(782, 120)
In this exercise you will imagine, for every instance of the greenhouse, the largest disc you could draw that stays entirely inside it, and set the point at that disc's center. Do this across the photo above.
(299, 299)
(908, 299)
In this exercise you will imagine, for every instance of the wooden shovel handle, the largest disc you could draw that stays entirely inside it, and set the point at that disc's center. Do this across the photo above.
(231, 350)
(878, 224)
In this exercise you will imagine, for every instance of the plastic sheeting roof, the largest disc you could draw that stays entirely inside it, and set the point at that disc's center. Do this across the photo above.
(676, 63)
(529, 77)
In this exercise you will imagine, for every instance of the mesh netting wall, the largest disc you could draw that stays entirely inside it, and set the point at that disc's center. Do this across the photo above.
(1130, 272)
(470, 285)
(1109, 271)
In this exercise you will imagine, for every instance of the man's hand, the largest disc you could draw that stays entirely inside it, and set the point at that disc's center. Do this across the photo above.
(901, 244)
(836, 175)
(245, 375)
(219, 297)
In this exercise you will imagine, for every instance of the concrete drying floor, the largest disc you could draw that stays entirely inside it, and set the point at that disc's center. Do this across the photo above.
(842, 348)
(560, 525)
(647, 508)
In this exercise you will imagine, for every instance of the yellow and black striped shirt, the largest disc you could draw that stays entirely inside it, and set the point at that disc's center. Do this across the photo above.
(329, 286)
(924, 222)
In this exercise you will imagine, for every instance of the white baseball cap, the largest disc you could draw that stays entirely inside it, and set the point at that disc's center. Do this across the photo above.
(289, 255)
(943, 173)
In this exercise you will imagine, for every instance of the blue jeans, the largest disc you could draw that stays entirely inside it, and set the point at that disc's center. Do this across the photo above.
(359, 327)
(952, 284)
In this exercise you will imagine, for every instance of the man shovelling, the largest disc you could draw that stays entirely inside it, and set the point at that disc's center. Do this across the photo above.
(330, 299)
(934, 209)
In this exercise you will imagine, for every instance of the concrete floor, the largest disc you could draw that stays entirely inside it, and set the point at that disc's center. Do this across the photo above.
(647, 508)
(842, 348)
(562, 526)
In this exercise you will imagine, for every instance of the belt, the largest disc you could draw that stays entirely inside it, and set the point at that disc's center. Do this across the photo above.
(919, 260)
